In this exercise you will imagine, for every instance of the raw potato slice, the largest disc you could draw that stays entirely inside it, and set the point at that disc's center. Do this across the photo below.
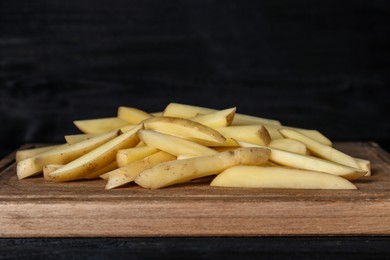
(96, 174)
(256, 134)
(321, 150)
(99, 125)
(60, 155)
(132, 115)
(128, 173)
(172, 144)
(365, 165)
(188, 111)
(180, 171)
(216, 119)
(184, 128)
(306, 162)
(96, 159)
(273, 131)
(126, 156)
(72, 139)
(50, 168)
(289, 145)
(279, 177)
(28, 153)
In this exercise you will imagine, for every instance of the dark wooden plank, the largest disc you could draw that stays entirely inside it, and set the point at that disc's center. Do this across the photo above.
(35, 208)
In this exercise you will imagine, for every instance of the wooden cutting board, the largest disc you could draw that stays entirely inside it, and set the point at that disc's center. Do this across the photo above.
(38, 208)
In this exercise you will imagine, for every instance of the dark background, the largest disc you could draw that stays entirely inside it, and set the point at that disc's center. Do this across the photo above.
(312, 64)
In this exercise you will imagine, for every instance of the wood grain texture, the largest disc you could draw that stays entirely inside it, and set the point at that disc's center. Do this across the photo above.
(37, 208)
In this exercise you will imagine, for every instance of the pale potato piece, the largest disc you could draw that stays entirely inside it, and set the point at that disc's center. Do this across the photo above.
(365, 165)
(97, 158)
(28, 153)
(179, 171)
(50, 168)
(96, 174)
(184, 128)
(188, 111)
(256, 134)
(306, 162)
(72, 139)
(216, 119)
(273, 131)
(127, 128)
(173, 144)
(280, 178)
(126, 156)
(132, 115)
(128, 173)
(318, 149)
(60, 155)
(99, 125)
(186, 156)
(289, 145)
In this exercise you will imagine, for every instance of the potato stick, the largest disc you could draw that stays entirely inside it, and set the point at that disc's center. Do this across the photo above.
(318, 149)
(256, 134)
(172, 144)
(188, 111)
(126, 156)
(365, 165)
(279, 177)
(60, 155)
(97, 158)
(179, 171)
(128, 173)
(306, 162)
(216, 119)
(72, 139)
(50, 168)
(99, 125)
(96, 174)
(183, 128)
(273, 131)
(290, 145)
(132, 115)
(28, 153)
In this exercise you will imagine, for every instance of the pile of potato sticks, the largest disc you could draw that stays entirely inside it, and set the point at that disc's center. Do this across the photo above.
(185, 142)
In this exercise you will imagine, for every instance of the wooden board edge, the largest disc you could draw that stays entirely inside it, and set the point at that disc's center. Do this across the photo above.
(164, 219)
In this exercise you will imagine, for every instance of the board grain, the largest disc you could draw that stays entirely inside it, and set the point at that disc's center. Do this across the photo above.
(38, 208)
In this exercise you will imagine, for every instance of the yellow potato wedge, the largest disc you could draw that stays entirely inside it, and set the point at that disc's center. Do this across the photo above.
(99, 125)
(273, 131)
(318, 149)
(216, 119)
(97, 158)
(126, 156)
(128, 173)
(28, 153)
(365, 165)
(132, 115)
(189, 111)
(180, 171)
(96, 174)
(256, 134)
(289, 145)
(172, 144)
(60, 155)
(306, 162)
(50, 168)
(279, 177)
(184, 128)
(72, 139)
